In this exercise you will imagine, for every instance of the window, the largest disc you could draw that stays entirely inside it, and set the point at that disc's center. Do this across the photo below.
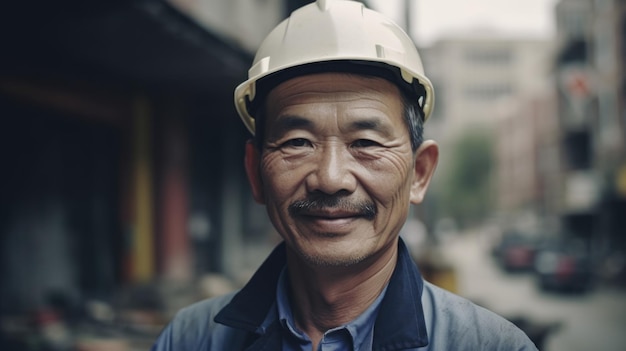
(488, 91)
(492, 56)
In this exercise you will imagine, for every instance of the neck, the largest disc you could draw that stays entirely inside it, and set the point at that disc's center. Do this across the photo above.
(327, 297)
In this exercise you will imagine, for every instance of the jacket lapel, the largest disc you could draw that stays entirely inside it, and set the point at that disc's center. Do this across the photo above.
(250, 306)
(400, 323)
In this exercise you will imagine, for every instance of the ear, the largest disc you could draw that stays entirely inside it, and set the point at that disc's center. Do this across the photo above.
(425, 163)
(253, 171)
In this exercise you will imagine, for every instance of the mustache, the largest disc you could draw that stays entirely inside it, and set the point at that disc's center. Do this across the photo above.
(364, 208)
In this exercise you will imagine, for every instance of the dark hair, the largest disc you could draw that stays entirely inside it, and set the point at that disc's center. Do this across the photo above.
(414, 119)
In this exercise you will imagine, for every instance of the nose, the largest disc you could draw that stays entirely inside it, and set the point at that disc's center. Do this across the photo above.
(333, 170)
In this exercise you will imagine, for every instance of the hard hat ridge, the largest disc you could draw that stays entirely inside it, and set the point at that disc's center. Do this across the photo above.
(333, 35)
(323, 4)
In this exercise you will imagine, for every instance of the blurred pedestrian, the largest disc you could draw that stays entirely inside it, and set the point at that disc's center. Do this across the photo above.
(336, 99)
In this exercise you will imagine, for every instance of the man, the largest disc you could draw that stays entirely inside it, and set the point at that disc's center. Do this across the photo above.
(336, 99)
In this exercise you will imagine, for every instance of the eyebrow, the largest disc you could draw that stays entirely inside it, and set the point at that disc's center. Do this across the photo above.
(366, 124)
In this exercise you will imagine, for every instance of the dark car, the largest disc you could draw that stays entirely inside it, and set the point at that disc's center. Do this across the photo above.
(563, 265)
(516, 251)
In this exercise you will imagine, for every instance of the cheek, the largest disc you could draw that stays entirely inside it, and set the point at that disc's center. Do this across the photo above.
(281, 180)
(389, 181)
(392, 197)
(393, 202)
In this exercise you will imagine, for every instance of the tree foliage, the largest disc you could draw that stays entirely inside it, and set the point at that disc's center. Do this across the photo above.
(466, 186)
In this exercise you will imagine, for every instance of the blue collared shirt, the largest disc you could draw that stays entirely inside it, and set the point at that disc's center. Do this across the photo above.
(354, 336)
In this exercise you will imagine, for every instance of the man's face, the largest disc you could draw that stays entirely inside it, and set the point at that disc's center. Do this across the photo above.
(336, 171)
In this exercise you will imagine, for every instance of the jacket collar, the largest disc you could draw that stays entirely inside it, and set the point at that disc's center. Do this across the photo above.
(400, 323)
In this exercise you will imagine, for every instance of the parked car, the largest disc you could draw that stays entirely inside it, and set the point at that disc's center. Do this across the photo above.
(564, 265)
(515, 252)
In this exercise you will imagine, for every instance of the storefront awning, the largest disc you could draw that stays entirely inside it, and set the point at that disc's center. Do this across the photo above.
(140, 44)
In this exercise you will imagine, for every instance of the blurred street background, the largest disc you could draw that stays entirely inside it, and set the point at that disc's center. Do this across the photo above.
(123, 195)
(563, 320)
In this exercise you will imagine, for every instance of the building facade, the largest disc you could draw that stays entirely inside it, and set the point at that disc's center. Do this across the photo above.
(497, 87)
(591, 100)
(123, 148)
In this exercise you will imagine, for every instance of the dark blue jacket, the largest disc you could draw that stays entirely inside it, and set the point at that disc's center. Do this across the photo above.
(414, 315)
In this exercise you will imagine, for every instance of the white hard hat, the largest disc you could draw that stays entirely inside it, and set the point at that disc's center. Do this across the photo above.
(338, 35)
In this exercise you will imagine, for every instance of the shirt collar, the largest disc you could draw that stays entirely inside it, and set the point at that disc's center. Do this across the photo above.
(399, 323)
(360, 329)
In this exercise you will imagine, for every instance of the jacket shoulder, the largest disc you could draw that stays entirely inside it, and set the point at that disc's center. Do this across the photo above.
(453, 320)
(201, 313)
(193, 327)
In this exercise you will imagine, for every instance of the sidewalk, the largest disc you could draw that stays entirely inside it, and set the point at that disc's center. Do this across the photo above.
(131, 322)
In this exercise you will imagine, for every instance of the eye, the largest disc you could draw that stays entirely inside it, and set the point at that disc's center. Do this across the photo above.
(364, 143)
(297, 142)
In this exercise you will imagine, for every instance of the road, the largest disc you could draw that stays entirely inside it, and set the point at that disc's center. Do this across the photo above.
(592, 321)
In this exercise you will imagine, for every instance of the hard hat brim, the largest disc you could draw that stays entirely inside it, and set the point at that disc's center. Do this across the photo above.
(250, 95)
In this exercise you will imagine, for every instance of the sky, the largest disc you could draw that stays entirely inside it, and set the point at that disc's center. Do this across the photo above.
(433, 19)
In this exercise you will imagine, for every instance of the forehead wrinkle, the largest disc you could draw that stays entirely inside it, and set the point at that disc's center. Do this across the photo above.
(369, 123)
(331, 95)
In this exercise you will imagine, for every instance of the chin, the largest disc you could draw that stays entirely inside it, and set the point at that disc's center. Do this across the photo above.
(333, 257)
(323, 261)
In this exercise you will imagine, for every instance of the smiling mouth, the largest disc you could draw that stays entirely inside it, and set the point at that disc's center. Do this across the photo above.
(330, 224)
(331, 215)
